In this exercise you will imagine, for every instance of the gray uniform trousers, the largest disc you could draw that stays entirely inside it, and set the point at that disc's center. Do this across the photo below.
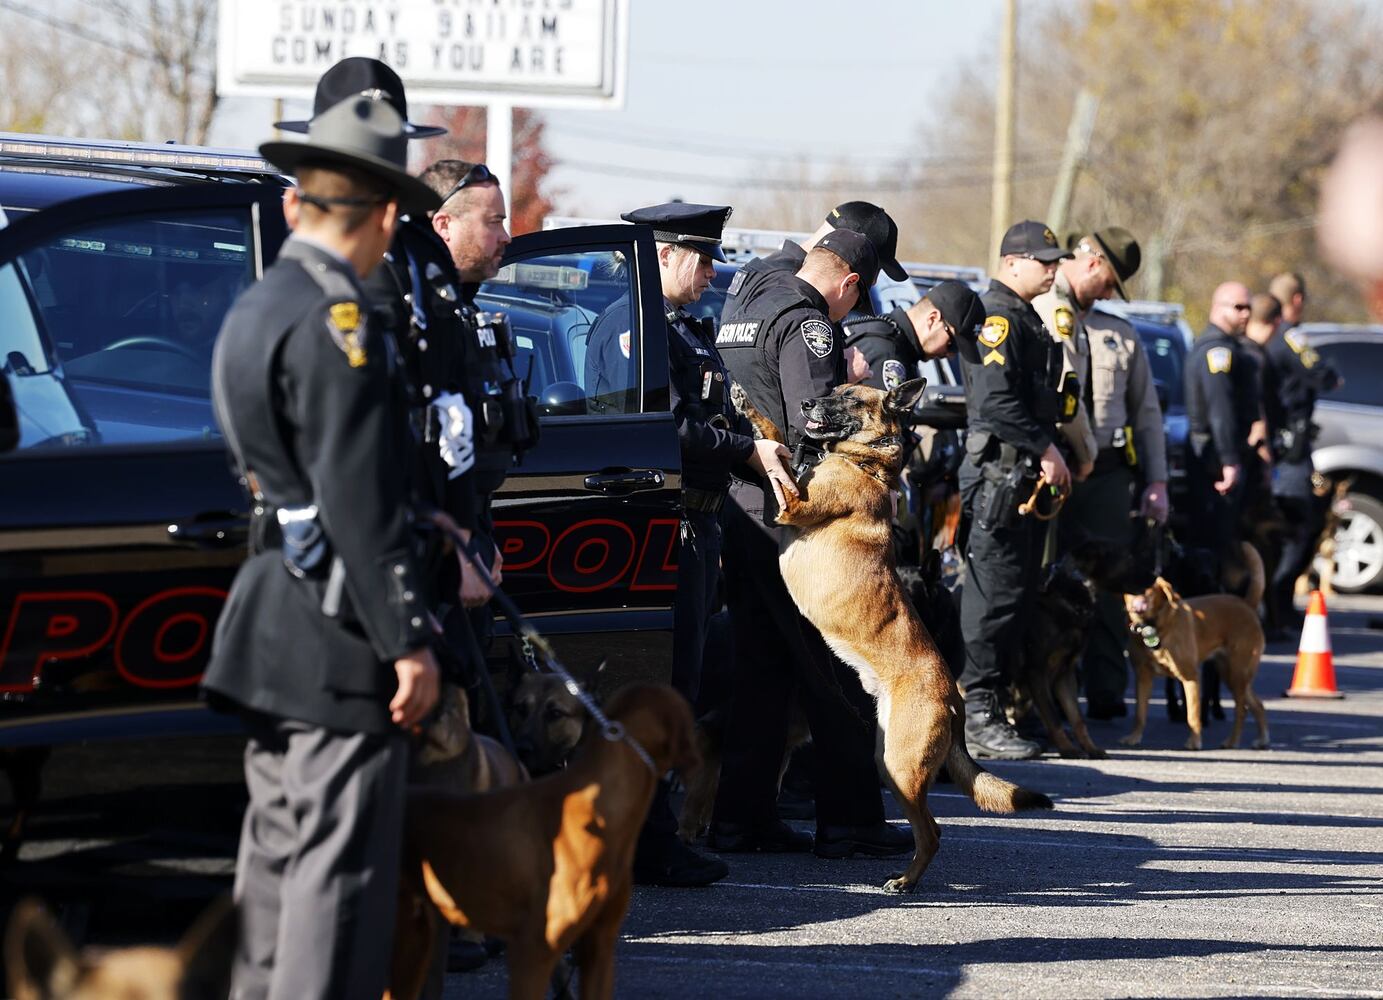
(1100, 505)
(316, 880)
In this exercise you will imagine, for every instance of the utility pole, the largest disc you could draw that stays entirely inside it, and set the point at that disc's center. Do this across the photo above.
(1072, 159)
(1001, 202)
(499, 145)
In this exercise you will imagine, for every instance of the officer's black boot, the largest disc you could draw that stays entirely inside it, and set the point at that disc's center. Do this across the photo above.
(988, 733)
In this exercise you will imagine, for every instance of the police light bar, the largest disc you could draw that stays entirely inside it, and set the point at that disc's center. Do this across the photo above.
(172, 157)
(557, 277)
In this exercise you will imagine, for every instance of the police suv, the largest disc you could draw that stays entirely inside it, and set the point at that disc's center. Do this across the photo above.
(122, 523)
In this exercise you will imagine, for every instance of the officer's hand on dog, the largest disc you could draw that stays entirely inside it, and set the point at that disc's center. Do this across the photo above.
(770, 459)
(856, 366)
(418, 687)
(1054, 468)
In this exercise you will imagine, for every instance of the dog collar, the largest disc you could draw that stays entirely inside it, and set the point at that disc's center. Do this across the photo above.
(1149, 635)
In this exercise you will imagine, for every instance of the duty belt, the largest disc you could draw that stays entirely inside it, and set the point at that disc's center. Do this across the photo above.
(706, 501)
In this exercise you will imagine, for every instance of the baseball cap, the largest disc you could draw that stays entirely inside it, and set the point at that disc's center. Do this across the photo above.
(1032, 238)
(858, 253)
(963, 312)
(877, 227)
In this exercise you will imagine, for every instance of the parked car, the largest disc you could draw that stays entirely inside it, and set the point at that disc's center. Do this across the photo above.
(123, 525)
(1349, 446)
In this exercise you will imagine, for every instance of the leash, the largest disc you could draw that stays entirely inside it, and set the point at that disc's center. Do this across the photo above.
(612, 732)
(1031, 505)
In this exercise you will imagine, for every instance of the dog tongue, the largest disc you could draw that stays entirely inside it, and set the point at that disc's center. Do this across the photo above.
(813, 425)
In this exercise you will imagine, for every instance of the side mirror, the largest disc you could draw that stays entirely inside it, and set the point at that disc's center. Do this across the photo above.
(9, 417)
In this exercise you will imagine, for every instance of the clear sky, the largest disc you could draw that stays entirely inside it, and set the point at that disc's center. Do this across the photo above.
(727, 93)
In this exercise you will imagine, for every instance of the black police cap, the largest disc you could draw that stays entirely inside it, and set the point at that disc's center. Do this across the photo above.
(963, 312)
(877, 226)
(358, 76)
(695, 226)
(859, 254)
(1032, 239)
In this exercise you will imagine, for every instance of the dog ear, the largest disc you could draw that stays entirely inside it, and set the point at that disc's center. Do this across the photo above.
(901, 399)
(39, 957)
(207, 950)
(1167, 590)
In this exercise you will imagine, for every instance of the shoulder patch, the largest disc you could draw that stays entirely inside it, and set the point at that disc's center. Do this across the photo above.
(894, 373)
(736, 283)
(1309, 357)
(1065, 321)
(343, 323)
(1219, 359)
(735, 334)
(626, 340)
(1295, 341)
(818, 336)
(994, 331)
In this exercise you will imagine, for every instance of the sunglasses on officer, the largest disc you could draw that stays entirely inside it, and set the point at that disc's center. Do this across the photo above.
(478, 174)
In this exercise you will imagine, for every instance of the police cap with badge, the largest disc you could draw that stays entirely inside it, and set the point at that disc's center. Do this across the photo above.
(874, 224)
(1033, 239)
(698, 227)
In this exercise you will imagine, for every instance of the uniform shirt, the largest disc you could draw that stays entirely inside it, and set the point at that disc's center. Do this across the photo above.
(1018, 362)
(712, 436)
(889, 343)
(307, 393)
(1297, 375)
(1062, 316)
(782, 349)
(760, 273)
(611, 381)
(1122, 393)
(1221, 398)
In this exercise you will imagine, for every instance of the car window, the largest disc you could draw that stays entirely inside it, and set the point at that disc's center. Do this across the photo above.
(1361, 364)
(576, 336)
(1166, 357)
(106, 330)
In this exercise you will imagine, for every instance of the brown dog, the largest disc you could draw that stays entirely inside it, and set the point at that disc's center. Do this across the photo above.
(1177, 636)
(840, 569)
(42, 964)
(450, 755)
(546, 866)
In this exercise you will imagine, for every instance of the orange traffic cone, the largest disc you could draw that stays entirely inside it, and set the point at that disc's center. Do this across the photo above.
(1315, 673)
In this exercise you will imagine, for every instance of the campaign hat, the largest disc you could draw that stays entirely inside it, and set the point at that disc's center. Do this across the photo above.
(364, 132)
(355, 76)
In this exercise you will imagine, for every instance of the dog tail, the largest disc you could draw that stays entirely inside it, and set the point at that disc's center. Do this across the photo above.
(989, 791)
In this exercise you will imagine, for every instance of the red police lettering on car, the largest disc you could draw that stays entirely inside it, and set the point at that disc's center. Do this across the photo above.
(48, 626)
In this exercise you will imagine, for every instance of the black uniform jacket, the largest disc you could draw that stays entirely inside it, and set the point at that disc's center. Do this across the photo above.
(1019, 363)
(610, 366)
(1297, 375)
(783, 349)
(760, 273)
(889, 343)
(307, 395)
(714, 438)
(1221, 398)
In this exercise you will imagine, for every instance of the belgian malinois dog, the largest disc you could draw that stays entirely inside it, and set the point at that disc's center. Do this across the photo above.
(839, 568)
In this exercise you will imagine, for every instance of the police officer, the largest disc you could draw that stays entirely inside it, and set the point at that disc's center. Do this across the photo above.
(861, 217)
(1011, 372)
(1294, 375)
(713, 439)
(1117, 436)
(1221, 405)
(784, 348)
(323, 643)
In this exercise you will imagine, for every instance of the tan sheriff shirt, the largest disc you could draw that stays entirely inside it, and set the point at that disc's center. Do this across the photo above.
(1122, 391)
(1064, 322)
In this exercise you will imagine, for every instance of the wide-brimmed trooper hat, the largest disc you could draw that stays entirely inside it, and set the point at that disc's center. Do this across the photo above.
(356, 76)
(364, 132)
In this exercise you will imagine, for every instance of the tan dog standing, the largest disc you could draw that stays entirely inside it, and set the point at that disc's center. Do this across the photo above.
(451, 755)
(1185, 632)
(546, 866)
(42, 964)
(839, 569)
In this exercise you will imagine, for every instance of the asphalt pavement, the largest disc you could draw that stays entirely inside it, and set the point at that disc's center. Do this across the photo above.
(1161, 873)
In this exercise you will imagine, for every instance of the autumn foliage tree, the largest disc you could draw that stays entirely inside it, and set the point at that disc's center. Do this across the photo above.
(530, 198)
